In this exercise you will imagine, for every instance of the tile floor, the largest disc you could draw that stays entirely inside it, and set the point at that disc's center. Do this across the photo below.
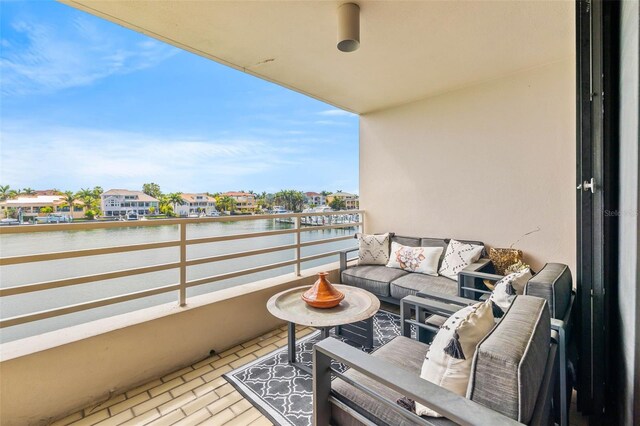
(198, 394)
(194, 395)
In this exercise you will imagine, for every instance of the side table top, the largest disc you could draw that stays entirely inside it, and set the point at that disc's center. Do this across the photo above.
(357, 305)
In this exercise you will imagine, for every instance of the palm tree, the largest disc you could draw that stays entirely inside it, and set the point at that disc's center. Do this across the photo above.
(4, 192)
(176, 199)
(164, 205)
(28, 191)
(69, 198)
(97, 191)
(89, 199)
(226, 203)
(85, 193)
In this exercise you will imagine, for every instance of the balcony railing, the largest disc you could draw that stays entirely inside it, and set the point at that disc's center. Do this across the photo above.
(350, 219)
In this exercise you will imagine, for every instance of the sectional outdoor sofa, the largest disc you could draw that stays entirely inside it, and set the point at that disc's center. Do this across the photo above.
(391, 284)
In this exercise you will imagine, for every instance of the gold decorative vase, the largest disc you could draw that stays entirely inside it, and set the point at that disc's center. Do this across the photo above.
(322, 294)
(502, 258)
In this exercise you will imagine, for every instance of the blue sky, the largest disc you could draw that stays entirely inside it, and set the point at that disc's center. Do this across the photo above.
(85, 102)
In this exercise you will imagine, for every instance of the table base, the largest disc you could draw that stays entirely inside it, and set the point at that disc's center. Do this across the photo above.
(291, 337)
(360, 332)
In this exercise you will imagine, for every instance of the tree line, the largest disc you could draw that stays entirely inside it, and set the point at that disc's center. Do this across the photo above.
(90, 198)
(289, 199)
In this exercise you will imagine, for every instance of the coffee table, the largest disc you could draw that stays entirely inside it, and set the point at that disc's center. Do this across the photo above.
(357, 305)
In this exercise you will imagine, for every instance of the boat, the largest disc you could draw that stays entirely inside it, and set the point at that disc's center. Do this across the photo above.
(54, 218)
(9, 221)
(280, 210)
(132, 215)
(319, 209)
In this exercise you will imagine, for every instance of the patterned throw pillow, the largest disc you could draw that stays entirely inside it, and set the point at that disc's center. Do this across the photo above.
(415, 259)
(506, 290)
(458, 256)
(448, 361)
(374, 249)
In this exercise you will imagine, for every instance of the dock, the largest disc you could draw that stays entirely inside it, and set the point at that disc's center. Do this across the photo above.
(341, 219)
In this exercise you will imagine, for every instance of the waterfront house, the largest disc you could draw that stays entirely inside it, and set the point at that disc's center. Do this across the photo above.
(314, 198)
(244, 200)
(31, 206)
(351, 201)
(196, 204)
(478, 120)
(121, 202)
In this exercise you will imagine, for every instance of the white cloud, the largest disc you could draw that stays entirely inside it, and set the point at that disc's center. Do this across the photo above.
(330, 123)
(64, 157)
(336, 113)
(46, 59)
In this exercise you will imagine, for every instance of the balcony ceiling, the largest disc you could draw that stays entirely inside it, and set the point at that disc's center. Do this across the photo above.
(409, 50)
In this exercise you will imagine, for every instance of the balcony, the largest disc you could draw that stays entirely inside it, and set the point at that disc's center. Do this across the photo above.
(148, 335)
(473, 117)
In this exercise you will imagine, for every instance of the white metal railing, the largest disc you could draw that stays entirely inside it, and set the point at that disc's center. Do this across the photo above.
(182, 263)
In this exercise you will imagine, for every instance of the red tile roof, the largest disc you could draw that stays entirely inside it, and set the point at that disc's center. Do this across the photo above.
(239, 194)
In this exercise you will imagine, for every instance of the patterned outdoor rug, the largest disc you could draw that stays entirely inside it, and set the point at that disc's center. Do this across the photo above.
(283, 392)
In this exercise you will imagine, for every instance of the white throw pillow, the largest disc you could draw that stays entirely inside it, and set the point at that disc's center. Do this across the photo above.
(458, 256)
(506, 290)
(448, 361)
(423, 260)
(374, 249)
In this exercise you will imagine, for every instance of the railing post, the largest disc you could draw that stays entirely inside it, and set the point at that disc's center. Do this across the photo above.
(183, 264)
(296, 221)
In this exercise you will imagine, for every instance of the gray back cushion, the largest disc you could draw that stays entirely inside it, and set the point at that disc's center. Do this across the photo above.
(509, 364)
(406, 241)
(553, 283)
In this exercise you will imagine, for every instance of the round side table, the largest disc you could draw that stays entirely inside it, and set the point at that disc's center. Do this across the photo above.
(357, 305)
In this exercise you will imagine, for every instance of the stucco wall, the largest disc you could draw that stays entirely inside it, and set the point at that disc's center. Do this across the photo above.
(628, 272)
(490, 162)
(51, 375)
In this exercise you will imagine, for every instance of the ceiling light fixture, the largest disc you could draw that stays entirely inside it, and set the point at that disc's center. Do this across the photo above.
(348, 27)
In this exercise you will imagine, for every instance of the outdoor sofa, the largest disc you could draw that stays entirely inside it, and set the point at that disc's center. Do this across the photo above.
(553, 283)
(391, 284)
(512, 376)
